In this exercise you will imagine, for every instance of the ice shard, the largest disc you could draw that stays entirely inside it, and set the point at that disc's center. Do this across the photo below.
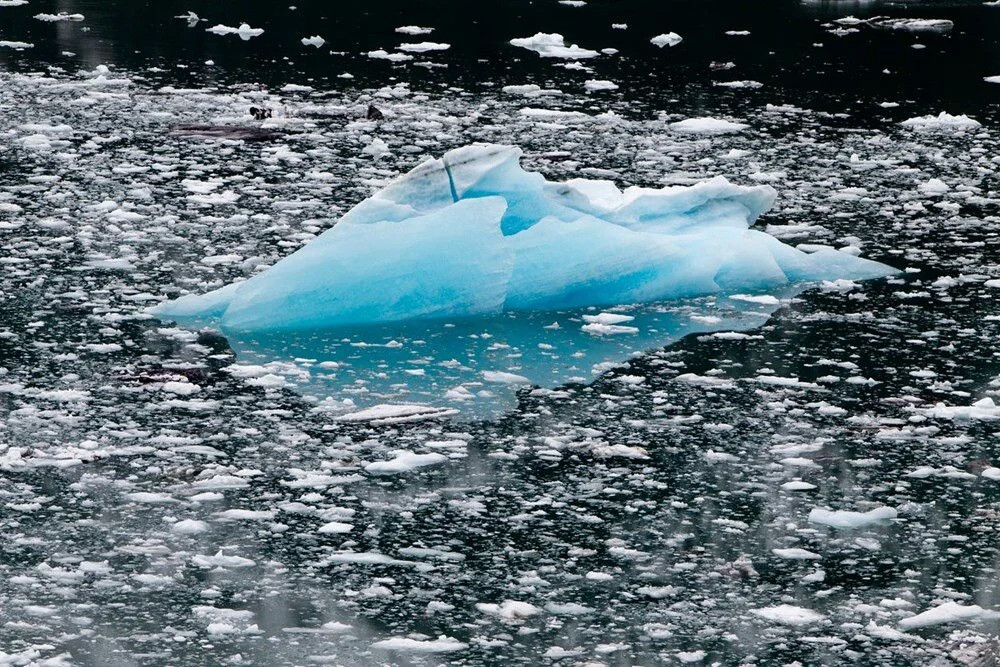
(472, 234)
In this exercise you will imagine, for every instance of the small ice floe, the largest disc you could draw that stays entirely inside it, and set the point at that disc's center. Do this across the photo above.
(191, 18)
(738, 33)
(17, 46)
(404, 461)
(394, 414)
(553, 45)
(915, 25)
(509, 610)
(992, 79)
(222, 560)
(739, 84)
(382, 54)
(786, 614)
(245, 32)
(949, 612)
(442, 644)
(13, 3)
(707, 125)
(943, 121)
(984, 409)
(845, 519)
(666, 39)
(606, 324)
(414, 30)
(501, 377)
(421, 47)
(595, 85)
(796, 554)
(61, 16)
(315, 40)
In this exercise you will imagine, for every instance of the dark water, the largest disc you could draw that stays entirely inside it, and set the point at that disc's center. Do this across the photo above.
(645, 515)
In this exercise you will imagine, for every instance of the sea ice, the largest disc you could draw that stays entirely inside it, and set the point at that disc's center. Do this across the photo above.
(667, 39)
(845, 519)
(943, 121)
(552, 45)
(474, 235)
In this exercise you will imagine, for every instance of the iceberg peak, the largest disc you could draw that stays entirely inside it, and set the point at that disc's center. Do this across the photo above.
(472, 234)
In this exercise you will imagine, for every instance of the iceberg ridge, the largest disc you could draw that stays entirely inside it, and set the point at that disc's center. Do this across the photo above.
(472, 234)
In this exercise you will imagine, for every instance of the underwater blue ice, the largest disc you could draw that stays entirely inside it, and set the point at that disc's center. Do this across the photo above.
(474, 235)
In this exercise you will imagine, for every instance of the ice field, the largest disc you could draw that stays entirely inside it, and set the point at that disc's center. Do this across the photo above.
(774, 474)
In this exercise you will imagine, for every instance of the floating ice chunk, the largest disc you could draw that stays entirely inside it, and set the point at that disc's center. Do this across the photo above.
(421, 47)
(796, 554)
(442, 644)
(552, 45)
(61, 16)
(414, 30)
(382, 54)
(739, 84)
(845, 519)
(394, 414)
(509, 610)
(245, 32)
(707, 125)
(915, 25)
(473, 235)
(992, 79)
(501, 377)
(934, 186)
(404, 461)
(17, 46)
(984, 409)
(595, 85)
(13, 3)
(315, 40)
(943, 121)
(667, 39)
(948, 612)
(787, 614)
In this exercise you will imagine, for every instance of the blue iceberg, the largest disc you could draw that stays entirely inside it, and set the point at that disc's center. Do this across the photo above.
(473, 235)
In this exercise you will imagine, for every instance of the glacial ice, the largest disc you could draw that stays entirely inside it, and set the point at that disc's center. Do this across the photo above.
(474, 235)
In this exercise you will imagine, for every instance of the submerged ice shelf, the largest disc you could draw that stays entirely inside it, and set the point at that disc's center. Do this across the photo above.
(474, 235)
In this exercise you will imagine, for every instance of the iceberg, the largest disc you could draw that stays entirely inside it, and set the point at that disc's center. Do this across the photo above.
(472, 234)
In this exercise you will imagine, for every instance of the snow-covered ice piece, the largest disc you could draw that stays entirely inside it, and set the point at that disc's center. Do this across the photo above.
(707, 126)
(245, 32)
(948, 612)
(315, 40)
(404, 461)
(942, 121)
(473, 235)
(442, 644)
(992, 79)
(553, 45)
(667, 39)
(421, 47)
(985, 409)
(786, 614)
(845, 519)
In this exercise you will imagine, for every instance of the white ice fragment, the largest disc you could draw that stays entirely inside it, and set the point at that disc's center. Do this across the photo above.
(707, 125)
(61, 16)
(992, 79)
(501, 377)
(509, 610)
(382, 54)
(442, 644)
(392, 414)
(796, 554)
(404, 461)
(948, 612)
(421, 47)
(245, 32)
(414, 30)
(552, 45)
(985, 409)
(943, 121)
(787, 614)
(845, 519)
(315, 40)
(596, 85)
(666, 39)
